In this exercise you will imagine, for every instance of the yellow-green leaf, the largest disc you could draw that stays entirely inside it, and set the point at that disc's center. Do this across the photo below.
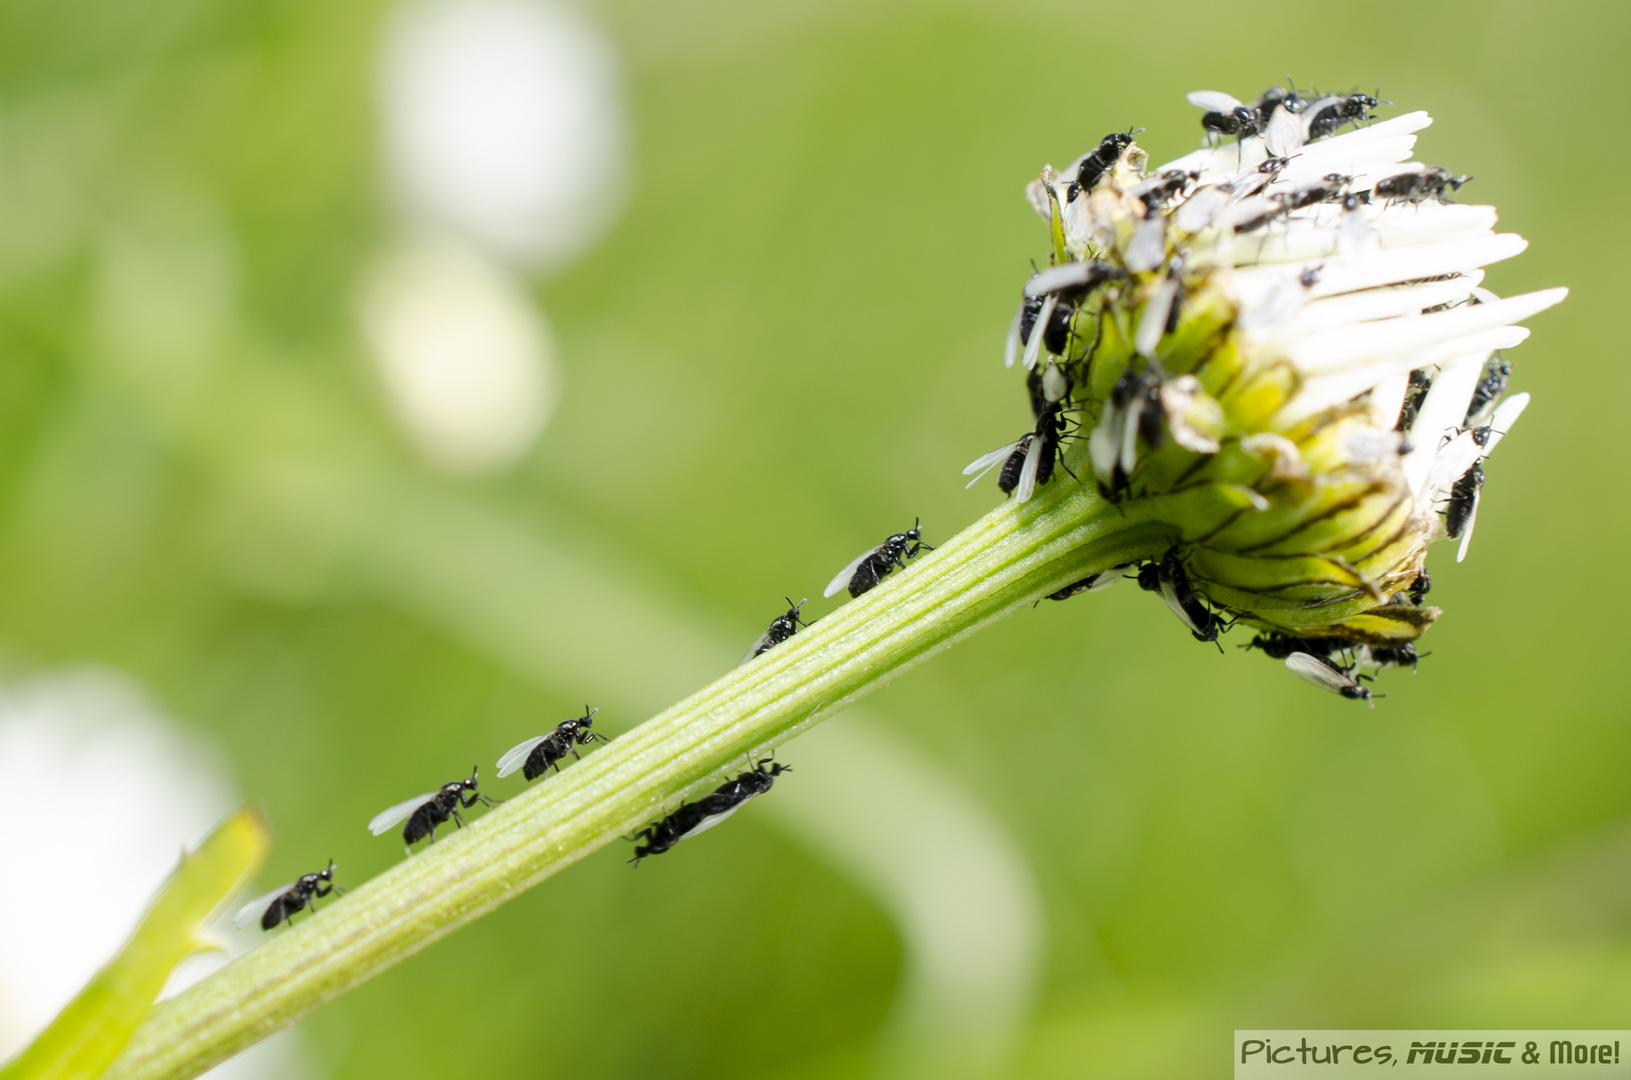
(87, 1035)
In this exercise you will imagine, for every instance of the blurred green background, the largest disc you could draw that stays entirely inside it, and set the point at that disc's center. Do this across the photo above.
(786, 347)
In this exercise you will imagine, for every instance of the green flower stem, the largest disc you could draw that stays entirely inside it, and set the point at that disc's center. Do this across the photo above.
(1005, 561)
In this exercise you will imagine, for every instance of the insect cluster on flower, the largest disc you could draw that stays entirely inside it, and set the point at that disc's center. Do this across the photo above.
(1278, 346)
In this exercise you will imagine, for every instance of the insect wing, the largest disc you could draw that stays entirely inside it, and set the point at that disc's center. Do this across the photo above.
(841, 581)
(1111, 576)
(986, 462)
(1466, 530)
(1010, 348)
(1033, 348)
(514, 758)
(1027, 473)
(713, 819)
(1170, 595)
(252, 911)
(1314, 109)
(1453, 461)
(386, 818)
(1212, 101)
(1312, 669)
(1284, 137)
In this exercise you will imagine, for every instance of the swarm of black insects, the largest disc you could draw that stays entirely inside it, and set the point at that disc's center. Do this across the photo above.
(1056, 330)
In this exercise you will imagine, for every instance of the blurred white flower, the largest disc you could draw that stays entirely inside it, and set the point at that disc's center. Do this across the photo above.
(465, 358)
(103, 792)
(504, 139)
(504, 124)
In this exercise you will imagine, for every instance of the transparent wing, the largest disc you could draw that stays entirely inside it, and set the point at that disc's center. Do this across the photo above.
(1111, 576)
(841, 581)
(1452, 462)
(1171, 597)
(1027, 473)
(1033, 348)
(1314, 670)
(386, 818)
(1466, 530)
(986, 462)
(251, 912)
(1212, 100)
(516, 757)
(1010, 348)
(709, 822)
(1284, 136)
(1307, 118)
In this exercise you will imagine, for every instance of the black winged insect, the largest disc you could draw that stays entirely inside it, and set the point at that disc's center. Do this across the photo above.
(1417, 187)
(696, 817)
(1328, 676)
(424, 812)
(535, 756)
(780, 629)
(1497, 372)
(1420, 383)
(1394, 655)
(1092, 166)
(1051, 299)
(873, 565)
(1461, 511)
(1324, 117)
(1169, 579)
(1092, 583)
(1011, 456)
(1420, 587)
(286, 902)
(1226, 115)
(1280, 646)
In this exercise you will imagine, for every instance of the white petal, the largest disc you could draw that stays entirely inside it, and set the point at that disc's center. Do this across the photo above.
(1203, 161)
(1105, 442)
(1506, 414)
(1387, 302)
(1148, 246)
(1322, 392)
(1335, 350)
(1152, 324)
(1440, 412)
(1064, 276)
(1129, 435)
(1198, 211)
(1285, 134)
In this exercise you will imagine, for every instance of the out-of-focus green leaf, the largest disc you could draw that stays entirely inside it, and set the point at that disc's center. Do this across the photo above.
(88, 1034)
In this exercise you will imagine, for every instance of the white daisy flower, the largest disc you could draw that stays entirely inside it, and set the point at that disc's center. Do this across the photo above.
(1279, 346)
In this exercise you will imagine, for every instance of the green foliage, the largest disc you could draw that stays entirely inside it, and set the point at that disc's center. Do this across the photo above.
(88, 1034)
(786, 349)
